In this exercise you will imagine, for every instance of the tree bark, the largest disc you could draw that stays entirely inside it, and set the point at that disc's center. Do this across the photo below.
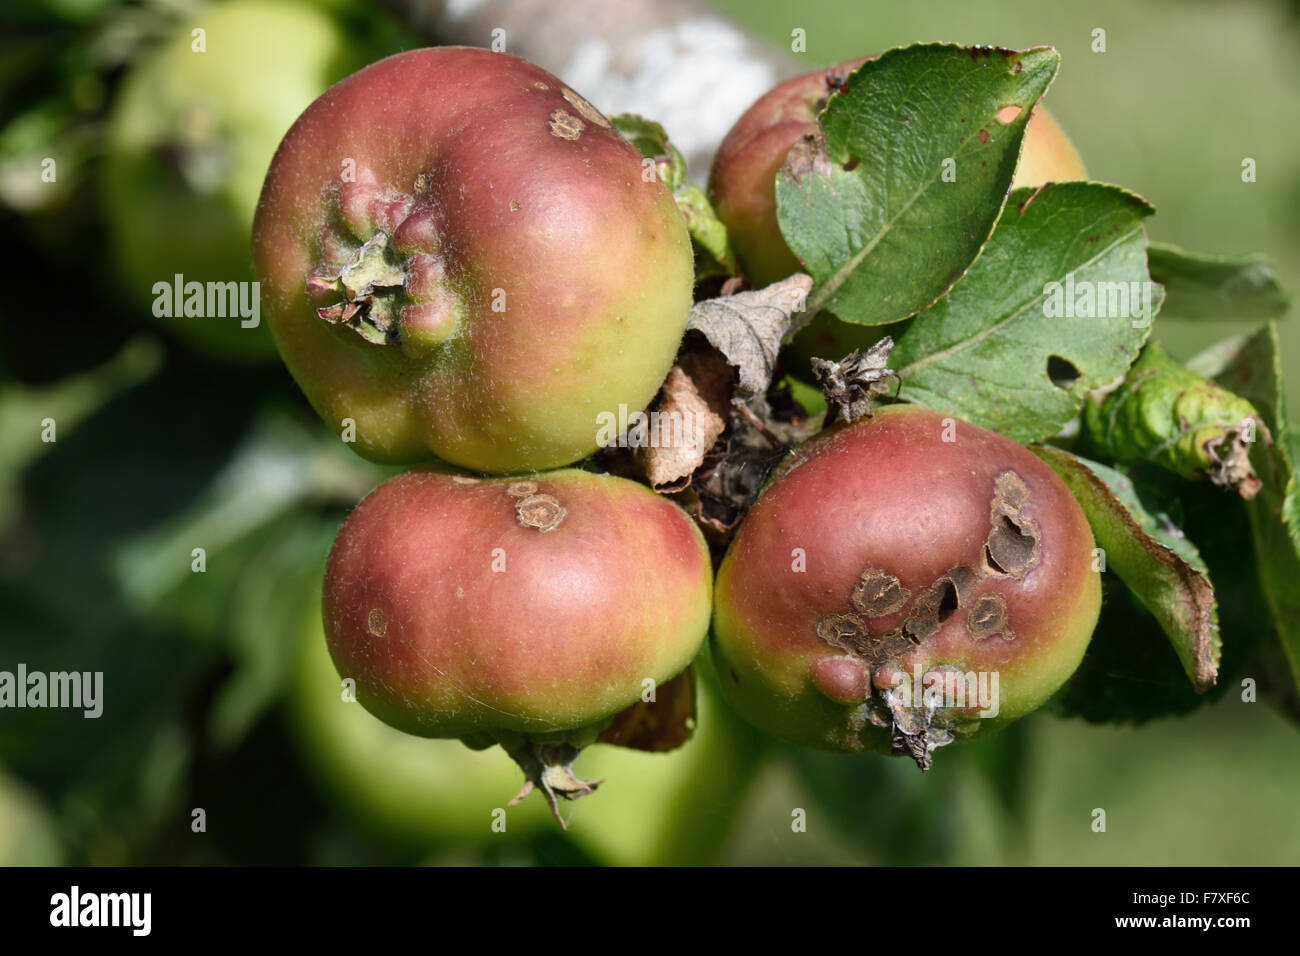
(677, 62)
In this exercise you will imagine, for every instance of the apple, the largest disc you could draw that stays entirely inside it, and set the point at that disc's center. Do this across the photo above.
(525, 613)
(907, 559)
(189, 138)
(460, 255)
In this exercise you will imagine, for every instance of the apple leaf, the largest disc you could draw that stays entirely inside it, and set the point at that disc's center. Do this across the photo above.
(1161, 567)
(1173, 417)
(1251, 366)
(1202, 286)
(1059, 303)
(713, 252)
(893, 198)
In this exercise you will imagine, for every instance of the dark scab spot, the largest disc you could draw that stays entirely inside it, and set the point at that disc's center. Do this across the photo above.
(984, 136)
(988, 616)
(962, 579)
(836, 82)
(1012, 547)
(879, 593)
(1062, 372)
(584, 108)
(933, 607)
(543, 512)
(1010, 493)
(844, 631)
(565, 125)
(849, 164)
(947, 601)
(889, 647)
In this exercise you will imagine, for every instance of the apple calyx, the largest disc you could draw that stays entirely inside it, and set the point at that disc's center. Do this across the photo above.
(387, 299)
(548, 767)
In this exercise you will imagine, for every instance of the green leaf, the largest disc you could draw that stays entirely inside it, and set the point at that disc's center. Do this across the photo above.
(651, 141)
(1289, 450)
(23, 410)
(1131, 673)
(889, 208)
(1162, 569)
(713, 252)
(1252, 367)
(1058, 304)
(1202, 286)
(281, 464)
(279, 570)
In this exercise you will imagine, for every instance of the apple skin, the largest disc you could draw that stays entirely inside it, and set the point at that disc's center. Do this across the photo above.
(889, 493)
(544, 279)
(742, 187)
(459, 620)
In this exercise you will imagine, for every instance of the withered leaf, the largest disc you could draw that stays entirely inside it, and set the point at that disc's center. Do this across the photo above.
(664, 723)
(686, 419)
(850, 384)
(747, 328)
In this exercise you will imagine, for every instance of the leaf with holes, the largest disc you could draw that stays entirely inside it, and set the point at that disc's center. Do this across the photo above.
(1202, 286)
(891, 205)
(1059, 303)
(1161, 567)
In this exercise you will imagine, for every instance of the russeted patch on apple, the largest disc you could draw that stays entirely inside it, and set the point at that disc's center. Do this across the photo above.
(525, 613)
(903, 582)
(464, 260)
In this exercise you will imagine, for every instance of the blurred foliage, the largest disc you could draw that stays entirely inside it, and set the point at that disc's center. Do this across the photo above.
(217, 694)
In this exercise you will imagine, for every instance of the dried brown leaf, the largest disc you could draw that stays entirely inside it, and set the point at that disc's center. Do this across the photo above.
(747, 329)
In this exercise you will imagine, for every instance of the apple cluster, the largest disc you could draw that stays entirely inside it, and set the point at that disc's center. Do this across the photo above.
(467, 270)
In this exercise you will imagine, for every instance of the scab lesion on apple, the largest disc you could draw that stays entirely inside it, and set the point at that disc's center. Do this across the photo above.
(929, 561)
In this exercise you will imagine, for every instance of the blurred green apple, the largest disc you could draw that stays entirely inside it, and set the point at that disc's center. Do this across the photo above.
(191, 133)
